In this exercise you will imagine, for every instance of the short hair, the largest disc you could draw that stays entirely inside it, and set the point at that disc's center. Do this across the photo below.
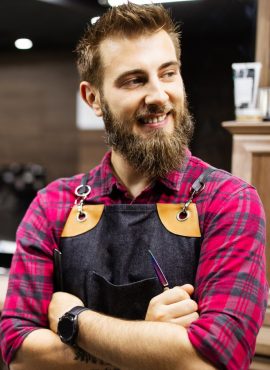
(126, 20)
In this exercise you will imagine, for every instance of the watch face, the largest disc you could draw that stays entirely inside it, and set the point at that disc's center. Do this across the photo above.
(66, 328)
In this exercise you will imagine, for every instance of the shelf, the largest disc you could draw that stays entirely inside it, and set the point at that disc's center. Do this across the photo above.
(247, 128)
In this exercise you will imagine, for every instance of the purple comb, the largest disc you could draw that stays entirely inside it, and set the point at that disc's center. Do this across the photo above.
(160, 274)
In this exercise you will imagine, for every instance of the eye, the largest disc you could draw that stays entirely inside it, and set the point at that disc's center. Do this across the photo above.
(134, 82)
(169, 74)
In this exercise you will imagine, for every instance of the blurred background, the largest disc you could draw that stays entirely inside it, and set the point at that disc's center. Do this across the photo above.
(47, 132)
(39, 120)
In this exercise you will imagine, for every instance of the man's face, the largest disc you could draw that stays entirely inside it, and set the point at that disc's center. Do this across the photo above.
(143, 101)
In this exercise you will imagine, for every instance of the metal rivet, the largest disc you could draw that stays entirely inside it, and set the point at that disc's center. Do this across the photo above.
(82, 216)
(183, 215)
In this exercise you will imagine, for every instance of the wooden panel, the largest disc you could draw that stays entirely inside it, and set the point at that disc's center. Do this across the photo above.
(3, 290)
(260, 363)
(267, 316)
(263, 341)
(260, 179)
(263, 40)
(244, 149)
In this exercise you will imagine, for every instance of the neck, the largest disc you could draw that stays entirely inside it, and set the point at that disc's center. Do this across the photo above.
(134, 182)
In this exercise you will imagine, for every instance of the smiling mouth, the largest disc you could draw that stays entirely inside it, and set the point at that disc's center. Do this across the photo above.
(154, 120)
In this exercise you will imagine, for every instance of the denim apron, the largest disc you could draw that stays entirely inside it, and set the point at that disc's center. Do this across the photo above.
(105, 258)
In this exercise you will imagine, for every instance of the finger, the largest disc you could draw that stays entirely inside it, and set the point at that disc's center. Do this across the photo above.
(182, 308)
(187, 320)
(170, 296)
(188, 288)
(167, 312)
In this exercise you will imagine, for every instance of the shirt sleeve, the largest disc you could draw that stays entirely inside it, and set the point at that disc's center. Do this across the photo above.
(231, 288)
(30, 282)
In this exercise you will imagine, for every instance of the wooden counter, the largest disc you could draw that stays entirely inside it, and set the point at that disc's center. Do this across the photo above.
(3, 289)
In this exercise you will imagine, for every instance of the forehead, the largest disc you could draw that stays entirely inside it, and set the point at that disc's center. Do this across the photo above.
(120, 54)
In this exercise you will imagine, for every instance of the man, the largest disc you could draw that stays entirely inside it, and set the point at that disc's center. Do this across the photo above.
(205, 227)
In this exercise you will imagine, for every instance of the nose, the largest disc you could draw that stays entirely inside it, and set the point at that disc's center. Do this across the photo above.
(156, 93)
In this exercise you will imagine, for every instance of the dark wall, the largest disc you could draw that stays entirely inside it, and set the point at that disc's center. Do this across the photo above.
(215, 34)
(37, 111)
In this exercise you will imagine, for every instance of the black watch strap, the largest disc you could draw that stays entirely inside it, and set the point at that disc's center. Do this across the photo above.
(77, 310)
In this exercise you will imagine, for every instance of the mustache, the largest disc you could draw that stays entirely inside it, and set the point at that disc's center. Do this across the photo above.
(154, 109)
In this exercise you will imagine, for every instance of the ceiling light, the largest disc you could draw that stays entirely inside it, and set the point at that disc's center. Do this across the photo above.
(141, 2)
(23, 44)
(94, 19)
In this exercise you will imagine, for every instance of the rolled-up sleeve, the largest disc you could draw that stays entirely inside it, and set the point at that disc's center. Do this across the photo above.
(31, 278)
(231, 287)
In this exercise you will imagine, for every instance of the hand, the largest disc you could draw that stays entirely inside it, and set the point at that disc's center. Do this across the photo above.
(61, 303)
(174, 305)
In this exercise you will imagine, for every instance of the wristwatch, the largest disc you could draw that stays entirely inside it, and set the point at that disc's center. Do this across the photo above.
(67, 328)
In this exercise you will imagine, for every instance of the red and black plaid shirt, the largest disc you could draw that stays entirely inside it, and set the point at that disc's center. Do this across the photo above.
(230, 288)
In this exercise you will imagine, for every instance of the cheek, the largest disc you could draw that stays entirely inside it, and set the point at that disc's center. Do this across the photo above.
(125, 101)
(178, 91)
(126, 110)
(178, 100)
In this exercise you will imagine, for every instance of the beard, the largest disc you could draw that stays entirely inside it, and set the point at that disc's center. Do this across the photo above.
(159, 152)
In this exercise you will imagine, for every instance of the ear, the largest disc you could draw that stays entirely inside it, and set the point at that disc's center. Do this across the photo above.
(91, 96)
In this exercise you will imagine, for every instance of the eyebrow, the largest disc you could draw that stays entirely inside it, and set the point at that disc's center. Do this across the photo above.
(137, 71)
(168, 64)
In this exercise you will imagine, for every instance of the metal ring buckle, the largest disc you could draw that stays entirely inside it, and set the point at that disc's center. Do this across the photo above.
(196, 192)
(82, 216)
(81, 187)
(183, 215)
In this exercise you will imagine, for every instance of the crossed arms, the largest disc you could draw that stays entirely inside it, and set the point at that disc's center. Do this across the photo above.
(159, 342)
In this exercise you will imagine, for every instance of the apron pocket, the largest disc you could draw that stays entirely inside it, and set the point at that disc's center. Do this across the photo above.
(127, 301)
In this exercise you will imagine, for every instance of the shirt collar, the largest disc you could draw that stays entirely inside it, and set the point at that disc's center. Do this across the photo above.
(172, 180)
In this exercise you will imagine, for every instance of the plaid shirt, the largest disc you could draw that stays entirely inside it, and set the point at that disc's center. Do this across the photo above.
(230, 285)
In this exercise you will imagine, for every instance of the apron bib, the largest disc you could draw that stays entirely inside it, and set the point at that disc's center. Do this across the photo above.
(105, 258)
